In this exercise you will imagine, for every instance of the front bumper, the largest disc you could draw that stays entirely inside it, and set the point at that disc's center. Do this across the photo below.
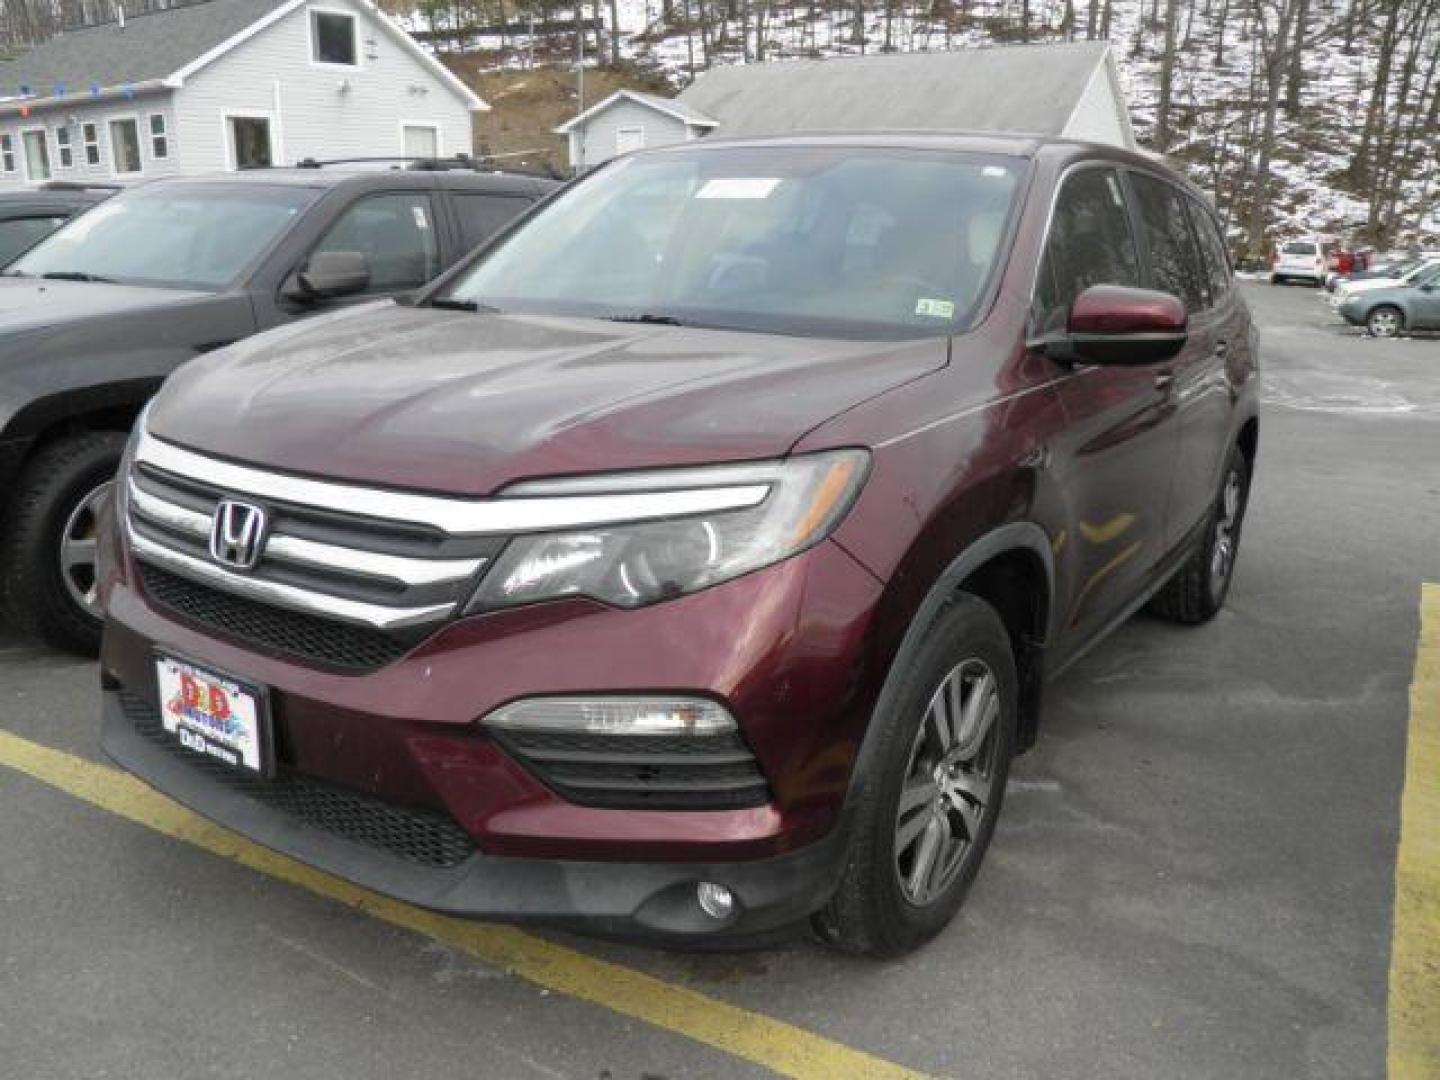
(634, 898)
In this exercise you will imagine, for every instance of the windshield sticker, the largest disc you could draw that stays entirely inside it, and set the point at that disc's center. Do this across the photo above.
(995, 171)
(421, 221)
(935, 309)
(738, 187)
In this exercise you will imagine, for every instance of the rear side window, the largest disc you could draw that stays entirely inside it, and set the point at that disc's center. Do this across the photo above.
(1174, 257)
(1090, 243)
(482, 216)
(1299, 249)
(1217, 266)
(396, 234)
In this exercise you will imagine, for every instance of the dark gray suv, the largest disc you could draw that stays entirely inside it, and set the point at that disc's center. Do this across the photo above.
(94, 317)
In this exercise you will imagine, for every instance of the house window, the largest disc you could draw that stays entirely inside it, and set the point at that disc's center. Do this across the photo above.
(628, 139)
(332, 38)
(62, 142)
(37, 155)
(91, 134)
(159, 137)
(125, 146)
(420, 140)
(250, 142)
(7, 152)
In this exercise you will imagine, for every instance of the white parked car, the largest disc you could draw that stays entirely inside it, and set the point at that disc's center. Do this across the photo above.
(1407, 276)
(1302, 260)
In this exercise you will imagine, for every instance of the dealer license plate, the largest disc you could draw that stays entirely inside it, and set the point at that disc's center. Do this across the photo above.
(214, 715)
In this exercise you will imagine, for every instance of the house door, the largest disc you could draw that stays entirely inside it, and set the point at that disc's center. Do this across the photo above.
(421, 141)
(37, 156)
(250, 142)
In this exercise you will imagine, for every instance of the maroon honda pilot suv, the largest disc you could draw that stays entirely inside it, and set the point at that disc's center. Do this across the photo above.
(689, 561)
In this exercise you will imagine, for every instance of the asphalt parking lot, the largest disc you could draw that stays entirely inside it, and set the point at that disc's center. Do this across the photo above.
(1194, 877)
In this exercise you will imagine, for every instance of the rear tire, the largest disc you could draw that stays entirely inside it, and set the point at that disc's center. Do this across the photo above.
(893, 896)
(49, 533)
(1198, 590)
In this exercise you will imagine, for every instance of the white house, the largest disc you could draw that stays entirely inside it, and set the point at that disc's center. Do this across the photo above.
(628, 120)
(226, 84)
(1070, 90)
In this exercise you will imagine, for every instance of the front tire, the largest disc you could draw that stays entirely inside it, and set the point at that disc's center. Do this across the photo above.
(1198, 590)
(1385, 321)
(925, 819)
(48, 579)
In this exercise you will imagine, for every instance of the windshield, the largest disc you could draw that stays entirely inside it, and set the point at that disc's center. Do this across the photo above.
(197, 236)
(804, 240)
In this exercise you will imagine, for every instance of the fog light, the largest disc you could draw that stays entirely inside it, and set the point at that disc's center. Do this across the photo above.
(615, 716)
(715, 900)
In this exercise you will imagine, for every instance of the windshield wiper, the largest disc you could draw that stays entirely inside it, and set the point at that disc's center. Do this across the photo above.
(450, 303)
(77, 275)
(647, 317)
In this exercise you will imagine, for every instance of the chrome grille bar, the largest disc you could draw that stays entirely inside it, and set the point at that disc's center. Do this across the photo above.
(454, 516)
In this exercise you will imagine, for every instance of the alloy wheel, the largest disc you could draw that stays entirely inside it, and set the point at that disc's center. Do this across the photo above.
(1384, 322)
(1222, 552)
(78, 543)
(947, 793)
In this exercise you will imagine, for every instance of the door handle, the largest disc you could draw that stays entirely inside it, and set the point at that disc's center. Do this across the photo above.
(1222, 349)
(1163, 380)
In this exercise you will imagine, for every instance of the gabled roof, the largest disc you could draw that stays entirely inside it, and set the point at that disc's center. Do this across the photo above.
(152, 46)
(164, 48)
(1023, 88)
(669, 106)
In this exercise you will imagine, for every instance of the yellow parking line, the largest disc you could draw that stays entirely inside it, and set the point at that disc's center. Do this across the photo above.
(781, 1047)
(1415, 949)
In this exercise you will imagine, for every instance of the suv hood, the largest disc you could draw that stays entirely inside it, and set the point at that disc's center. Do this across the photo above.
(462, 403)
(31, 303)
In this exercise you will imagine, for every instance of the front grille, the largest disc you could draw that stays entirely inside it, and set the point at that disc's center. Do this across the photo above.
(339, 585)
(418, 836)
(643, 772)
(351, 649)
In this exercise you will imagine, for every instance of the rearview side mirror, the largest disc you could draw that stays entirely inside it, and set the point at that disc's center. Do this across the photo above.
(1114, 324)
(329, 274)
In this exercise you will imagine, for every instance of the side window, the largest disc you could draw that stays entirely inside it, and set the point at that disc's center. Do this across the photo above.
(20, 234)
(1090, 243)
(482, 216)
(1174, 257)
(1217, 265)
(395, 233)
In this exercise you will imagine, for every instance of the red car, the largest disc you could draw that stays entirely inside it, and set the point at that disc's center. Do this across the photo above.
(690, 560)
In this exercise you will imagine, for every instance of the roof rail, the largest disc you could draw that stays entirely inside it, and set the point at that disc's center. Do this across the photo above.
(79, 185)
(418, 164)
(421, 164)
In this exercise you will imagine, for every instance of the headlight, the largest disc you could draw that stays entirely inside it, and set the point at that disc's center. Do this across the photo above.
(637, 563)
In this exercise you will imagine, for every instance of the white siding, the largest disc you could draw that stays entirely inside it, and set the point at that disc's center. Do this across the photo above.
(600, 132)
(272, 75)
(1097, 115)
(100, 114)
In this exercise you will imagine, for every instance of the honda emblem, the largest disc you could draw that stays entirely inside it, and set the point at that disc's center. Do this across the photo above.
(237, 536)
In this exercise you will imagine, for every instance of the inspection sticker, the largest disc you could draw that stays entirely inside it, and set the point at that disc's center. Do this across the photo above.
(738, 187)
(935, 309)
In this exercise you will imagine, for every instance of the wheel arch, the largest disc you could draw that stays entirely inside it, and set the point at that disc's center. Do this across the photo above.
(109, 407)
(1012, 569)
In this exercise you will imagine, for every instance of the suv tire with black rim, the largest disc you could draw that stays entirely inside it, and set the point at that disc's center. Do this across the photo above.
(1198, 590)
(47, 543)
(923, 824)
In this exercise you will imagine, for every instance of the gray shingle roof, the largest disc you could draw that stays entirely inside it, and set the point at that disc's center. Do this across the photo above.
(149, 47)
(1031, 89)
(674, 106)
